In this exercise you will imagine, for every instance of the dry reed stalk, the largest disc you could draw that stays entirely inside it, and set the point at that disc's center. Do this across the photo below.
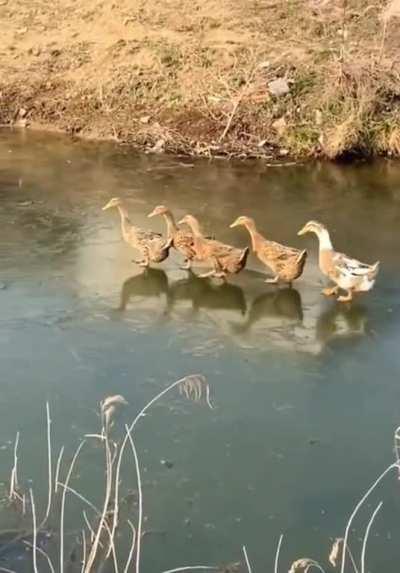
(194, 568)
(96, 510)
(14, 470)
(44, 554)
(109, 476)
(83, 551)
(132, 549)
(246, 559)
(365, 540)
(355, 511)
(92, 534)
(58, 465)
(7, 570)
(34, 548)
(71, 468)
(49, 466)
(278, 550)
(139, 486)
(123, 446)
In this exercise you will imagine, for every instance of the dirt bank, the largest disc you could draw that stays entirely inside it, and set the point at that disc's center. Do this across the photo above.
(242, 77)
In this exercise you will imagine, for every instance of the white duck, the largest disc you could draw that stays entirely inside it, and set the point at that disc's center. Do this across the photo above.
(349, 274)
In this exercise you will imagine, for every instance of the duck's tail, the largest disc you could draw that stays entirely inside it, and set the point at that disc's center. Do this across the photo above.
(302, 257)
(244, 255)
(374, 270)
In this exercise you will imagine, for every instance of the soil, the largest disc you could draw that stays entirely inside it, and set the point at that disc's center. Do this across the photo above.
(200, 77)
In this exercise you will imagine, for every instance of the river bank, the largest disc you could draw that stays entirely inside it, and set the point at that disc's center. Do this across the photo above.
(309, 78)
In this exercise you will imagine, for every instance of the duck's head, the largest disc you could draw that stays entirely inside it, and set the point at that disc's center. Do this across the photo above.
(159, 210)
(114, 202)
(313, 227)
(188, 220)
(245, 221)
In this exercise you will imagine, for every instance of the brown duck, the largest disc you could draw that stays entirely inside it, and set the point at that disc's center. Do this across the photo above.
(287, 263)
(224, 258)
(152, 246)
(182, 239)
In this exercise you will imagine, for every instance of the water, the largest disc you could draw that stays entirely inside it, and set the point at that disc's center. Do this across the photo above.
(306, 392)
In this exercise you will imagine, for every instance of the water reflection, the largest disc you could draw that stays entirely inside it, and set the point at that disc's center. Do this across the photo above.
(276, 317)
(342, 322)
(149, 283)
(206, 294)
(284, 304)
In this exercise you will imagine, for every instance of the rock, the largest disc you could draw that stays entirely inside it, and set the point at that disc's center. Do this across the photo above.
(158, 147)
(22, 112)
(145, 119)
(283, 152)
(279, 125)
(278, 87)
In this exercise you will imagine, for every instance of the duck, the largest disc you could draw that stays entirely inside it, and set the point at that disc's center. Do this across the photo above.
(224, 258)
(349, 275)
(287, 263)
(152, 246)
(182, 239)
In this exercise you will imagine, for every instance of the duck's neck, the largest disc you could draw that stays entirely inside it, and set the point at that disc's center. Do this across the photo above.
(125, 221)
(171, 225)
(195, 226)
(256, 238)
(325, 243)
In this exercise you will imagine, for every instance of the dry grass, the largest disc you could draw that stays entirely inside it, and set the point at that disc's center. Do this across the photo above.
(194, 75)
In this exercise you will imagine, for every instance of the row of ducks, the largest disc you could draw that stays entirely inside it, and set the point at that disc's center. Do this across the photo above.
(286, 263)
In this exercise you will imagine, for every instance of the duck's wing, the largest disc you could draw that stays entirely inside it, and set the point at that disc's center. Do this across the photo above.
(348, 267)
(277, 253)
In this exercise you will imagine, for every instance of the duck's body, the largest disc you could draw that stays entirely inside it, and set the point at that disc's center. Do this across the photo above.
(152, 246)
(348, 274)
(182, 239)
(287, 263)
(224, 258)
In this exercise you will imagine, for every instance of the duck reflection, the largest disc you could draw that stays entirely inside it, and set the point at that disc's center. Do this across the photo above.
(284, 305)
(204, 294)
(149, 283)
(341, 322)
(201, 293)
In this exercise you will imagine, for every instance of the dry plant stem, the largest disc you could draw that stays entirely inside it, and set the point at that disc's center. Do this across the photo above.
(194, 568)
(359, 504)
(34, 548)
(139, 486)
(132, 549)
(95, 544)
(92, 534)
(246, 559)
(58, 465)
(83, 551)
(278, 550)
(7, 570)
(123, 446)
(365, 540)
(45, 555)
(96, 510)
(71, 469)
(49, 465)
(14, 471)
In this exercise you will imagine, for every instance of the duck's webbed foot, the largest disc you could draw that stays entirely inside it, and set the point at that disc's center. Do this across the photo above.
(347, 298)
(272, 280)
(187, 265)
(207, 274)
(330, 291)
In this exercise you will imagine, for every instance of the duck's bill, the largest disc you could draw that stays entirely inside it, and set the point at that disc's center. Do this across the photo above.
(152, 214)
(303, 231)
(105, 207)
(234, 224)
(181, 221)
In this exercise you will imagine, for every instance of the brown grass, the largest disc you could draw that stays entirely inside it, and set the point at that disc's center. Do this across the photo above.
(193, 76)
